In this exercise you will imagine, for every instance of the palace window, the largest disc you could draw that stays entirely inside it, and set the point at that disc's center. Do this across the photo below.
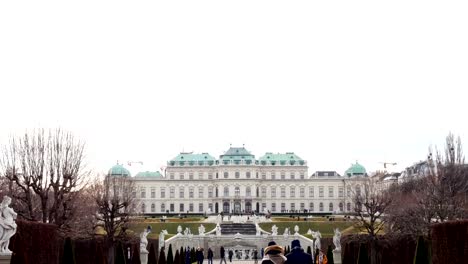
(247, 175)
(340, 192)
(348, 207)
(302, 176)
(226, 191)
(263, 206)
(341, 207)
(263, 175)
(237, 191)
(264, 191)
(330, 191)
(200, 175)
(248, 191)
(153, 192)
(283, 192)
(171, 176)
(153, 208)
(190, 176)
(200, 192)
(283, 207)
(210, 176)
(273, 175)
(293, 175)
(163, 192)
(348, 191)
(210, 192)
(226, 175)
(273, 192)
(191, 207)
(311, 191)
(302, 207)
(200, 207)
(143, 193)
(171, 207)
(191, 192)
(181, 192)
(311, 207)
(293, 206)
(302, 192)
(330, 207)
(172, 193)
(143, 208)
(292, 192)
(163, 208)
(321, 207)
(273, 207)
(321, 191)
(181, 175)
(358, 190)
(237, 174)
(181, 207)
(283, 175)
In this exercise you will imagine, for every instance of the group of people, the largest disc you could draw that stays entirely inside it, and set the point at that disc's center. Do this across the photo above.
(272, 254)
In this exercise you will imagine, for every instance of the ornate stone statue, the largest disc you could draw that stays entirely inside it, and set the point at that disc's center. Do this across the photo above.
(144, 240)
(317, 237)
(161, 238)
(296, 230)
(218, 230)
(274, 230)
(201, 230)
(337, 240)
(286, 231)
(309, 232)
(179, 229)
(187, 231)
(257, 228)
(7, 225)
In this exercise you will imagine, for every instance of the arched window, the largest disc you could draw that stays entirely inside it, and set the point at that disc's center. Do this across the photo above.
(143, 208)
(163, 208)
(348, 207)
(330, 207)
(321, 207)
(311, 207)
(247, 191)
(153, 208)
(237, 191)
(226, 191)
(341, 207)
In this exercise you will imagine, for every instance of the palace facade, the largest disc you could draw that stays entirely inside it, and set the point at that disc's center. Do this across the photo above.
(238, 182)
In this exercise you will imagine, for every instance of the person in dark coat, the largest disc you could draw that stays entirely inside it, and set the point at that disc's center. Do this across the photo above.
(231, 253)
(200, 256)
(297, 255)
(274, 254)
(222, 255)
(187, 256)
(255, 256)
(210, 256)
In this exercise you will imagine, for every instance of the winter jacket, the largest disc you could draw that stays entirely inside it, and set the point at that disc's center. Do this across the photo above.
(273, 259)
(298, 256)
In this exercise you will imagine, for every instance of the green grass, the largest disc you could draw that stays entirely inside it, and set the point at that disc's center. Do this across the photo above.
(136, 227)
(325, 228)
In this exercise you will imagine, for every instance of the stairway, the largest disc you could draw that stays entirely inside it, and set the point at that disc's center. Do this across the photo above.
(232, 229)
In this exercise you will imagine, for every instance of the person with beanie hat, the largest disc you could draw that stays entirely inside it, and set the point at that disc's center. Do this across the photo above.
(298, 255)
(274, 254)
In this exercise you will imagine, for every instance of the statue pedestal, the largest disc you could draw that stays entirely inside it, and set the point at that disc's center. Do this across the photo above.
(143, 257)
(337, 256)
(5, 259)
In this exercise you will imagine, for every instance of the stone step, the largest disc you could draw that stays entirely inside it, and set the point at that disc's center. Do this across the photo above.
(232, 229)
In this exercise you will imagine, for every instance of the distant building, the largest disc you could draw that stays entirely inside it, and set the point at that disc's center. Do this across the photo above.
(238, 182)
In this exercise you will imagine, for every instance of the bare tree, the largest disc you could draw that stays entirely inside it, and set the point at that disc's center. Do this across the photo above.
(114, 197)
(438, 195)
(43, 170)
(369, 206)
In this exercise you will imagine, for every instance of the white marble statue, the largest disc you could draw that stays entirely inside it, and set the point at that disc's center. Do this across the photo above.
(219, 219)
(309, 232)
(179, 229)
(144, 240)
(286, 232)
(7, 225)
(161, 238)
(274, 230)
(201, 230)
(218, 230)
(187, 231)
(317, 237)
(257, 228)
(296, 230)
(337, 240)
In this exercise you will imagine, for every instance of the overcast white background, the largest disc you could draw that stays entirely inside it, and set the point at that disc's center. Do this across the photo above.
(333, 81)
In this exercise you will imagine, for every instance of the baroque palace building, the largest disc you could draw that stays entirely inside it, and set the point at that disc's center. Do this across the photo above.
(237, 182)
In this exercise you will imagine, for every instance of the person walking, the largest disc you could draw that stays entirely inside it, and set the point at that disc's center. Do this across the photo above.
(274, 254)
(231, 253)
(222, 255)
(210, 256)
(297, 254)
(255, 256)
(321, 258)
(200, 256)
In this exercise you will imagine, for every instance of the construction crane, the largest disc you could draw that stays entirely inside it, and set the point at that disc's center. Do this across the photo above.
(131, 162)
(388, 163)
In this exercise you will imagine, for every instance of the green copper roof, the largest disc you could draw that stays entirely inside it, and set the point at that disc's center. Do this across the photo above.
(237, 156)
(190, 159)
(119, 170)
(288, 158)
(237, 152)
(355, 170)
(149, 174)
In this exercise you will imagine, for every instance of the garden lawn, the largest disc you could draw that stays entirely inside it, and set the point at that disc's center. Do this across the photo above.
(325, 228)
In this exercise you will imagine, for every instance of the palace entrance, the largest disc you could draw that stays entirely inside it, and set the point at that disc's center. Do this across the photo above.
(237, 207)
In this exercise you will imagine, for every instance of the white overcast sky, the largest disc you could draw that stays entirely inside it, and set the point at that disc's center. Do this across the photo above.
(333, 81)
